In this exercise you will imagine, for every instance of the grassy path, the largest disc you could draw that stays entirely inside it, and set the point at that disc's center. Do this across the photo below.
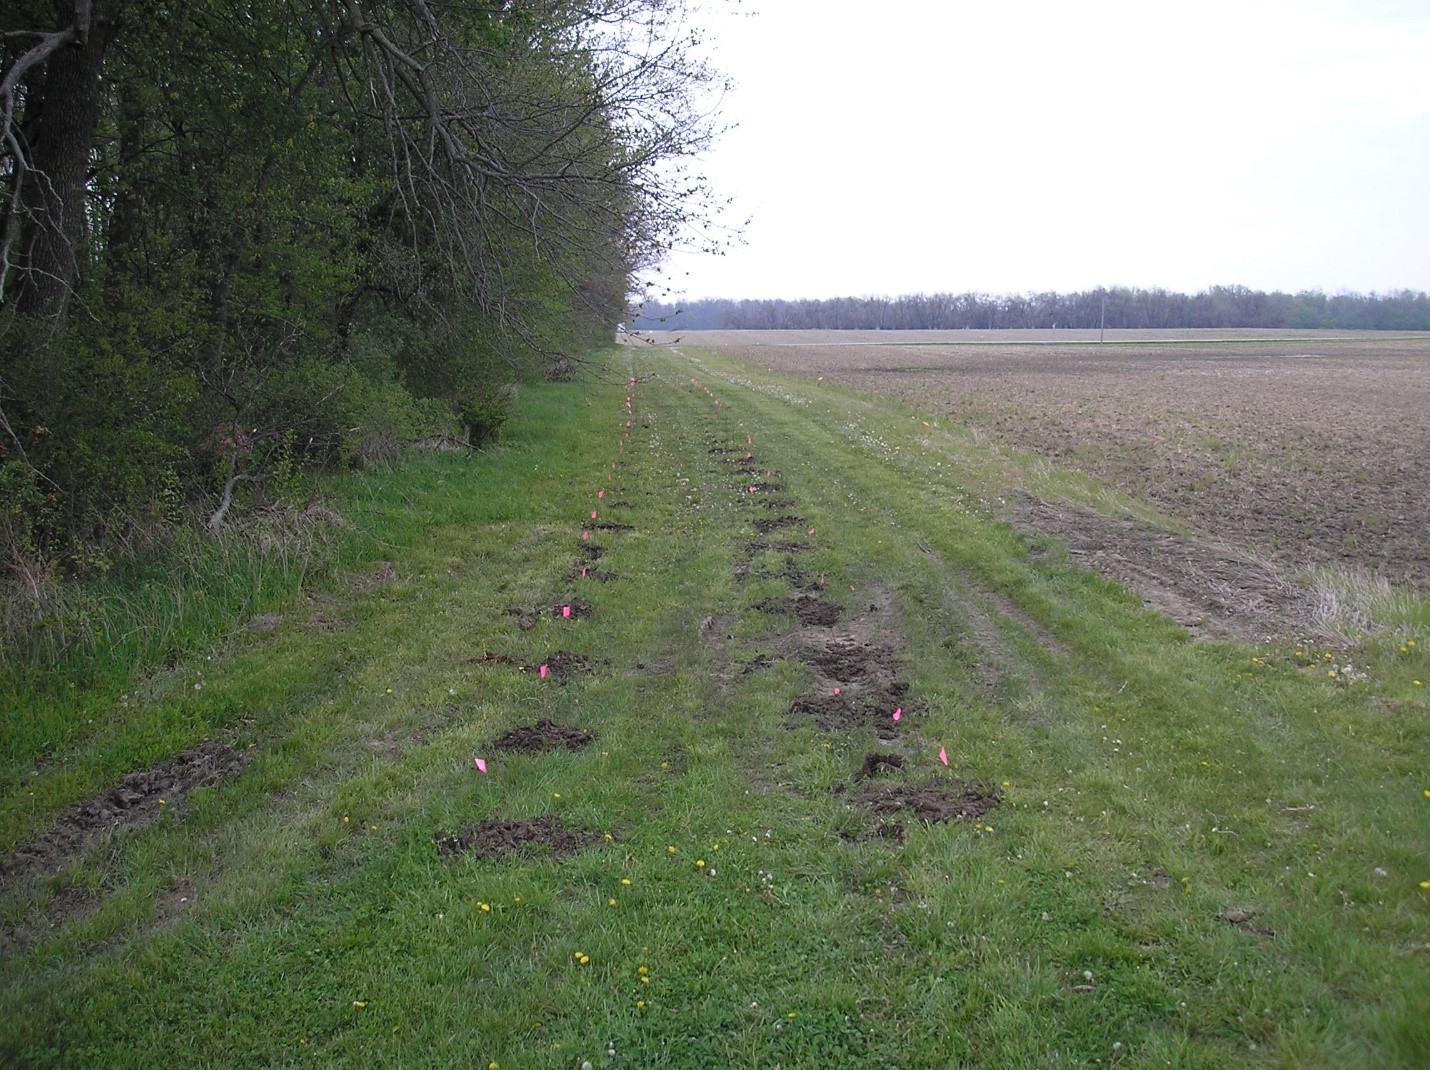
(1149, 851)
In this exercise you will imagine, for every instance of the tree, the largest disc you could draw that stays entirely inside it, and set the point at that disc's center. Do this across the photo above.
(270, 224)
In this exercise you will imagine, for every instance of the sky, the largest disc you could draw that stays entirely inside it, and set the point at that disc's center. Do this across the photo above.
(1008, 146)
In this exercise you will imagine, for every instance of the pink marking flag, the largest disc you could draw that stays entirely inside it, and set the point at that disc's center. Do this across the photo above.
(943, 755)
(810, 531)
(544, 670)
(838, 691)
(585, 535)
(899, 713)
(566, 611)
(481, 765)
(602, 493)
(583, 573)
(752, 490)
(593, 514)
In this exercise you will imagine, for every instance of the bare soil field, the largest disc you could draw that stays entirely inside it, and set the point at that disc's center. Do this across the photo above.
(1306, 449)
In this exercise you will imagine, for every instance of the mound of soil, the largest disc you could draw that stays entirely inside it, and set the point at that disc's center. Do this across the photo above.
(810, 609)
(611, 525)
(848, 659)
(562, 664)
(544, 735)
(854, 710)
(789, 520)
(876, 762)
(136, 801)
(586, 572)
(952, 800)
(496, 838)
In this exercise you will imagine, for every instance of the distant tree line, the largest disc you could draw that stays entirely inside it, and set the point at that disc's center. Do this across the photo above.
(240, 237)
(1220, 306)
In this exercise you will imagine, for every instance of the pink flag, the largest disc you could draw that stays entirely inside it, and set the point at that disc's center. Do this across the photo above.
(480, 764)
(583, 573)
(899, 713)
(566, 611)
(810, 531)
(593, 514)
(752, 490)
(943, 755)
(600, 493)
(544, 670)
(585, 535)
(838, 691)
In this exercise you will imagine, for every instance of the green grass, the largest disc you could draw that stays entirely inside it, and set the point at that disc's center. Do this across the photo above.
(1151, 784)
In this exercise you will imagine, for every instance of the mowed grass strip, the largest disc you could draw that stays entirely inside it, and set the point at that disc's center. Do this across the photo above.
(1205, 855)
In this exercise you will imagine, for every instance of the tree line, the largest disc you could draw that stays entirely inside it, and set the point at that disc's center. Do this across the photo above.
(1219, 306)
(241, 237)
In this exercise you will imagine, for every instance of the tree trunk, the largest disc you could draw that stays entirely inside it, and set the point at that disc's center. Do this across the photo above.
(61, 115)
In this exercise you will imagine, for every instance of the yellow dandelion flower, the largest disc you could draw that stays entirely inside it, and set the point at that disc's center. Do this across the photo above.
(359, 1004)
(643, 971)
(700, 863)
(640, 1004)
(626, 882)
(670, 849)
(485, 908)
(610, 902)
(645, 980)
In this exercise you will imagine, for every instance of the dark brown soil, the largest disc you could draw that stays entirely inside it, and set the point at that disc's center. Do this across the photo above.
(873, 708)
(587, 572)
(137, 800)
(764, 527)
(542, 736)
(876, 762)
(951, 800)
(592, 553)
(810, 609)
(611, 525)
(562, 664)
(496, 838)
(847, 659)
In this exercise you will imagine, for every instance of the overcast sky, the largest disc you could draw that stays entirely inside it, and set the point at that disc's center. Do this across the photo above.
(904, 146)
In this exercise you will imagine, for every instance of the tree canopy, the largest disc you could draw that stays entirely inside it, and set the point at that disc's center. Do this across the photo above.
(241, 236)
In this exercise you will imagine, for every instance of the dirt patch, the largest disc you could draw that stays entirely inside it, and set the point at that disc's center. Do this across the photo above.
(592, 553)
(137, 800)
(610, 525)
(764, 527)
(563, 664)
(1216, 590)
(496, 838)
(876, 762)
(587, 572)
(811, 610)
(849, 710)
(950, 800)
(542, 736)
(847, 659)
(527, 618)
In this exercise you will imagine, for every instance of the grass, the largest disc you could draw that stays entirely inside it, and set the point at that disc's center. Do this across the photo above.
(1184, 869)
